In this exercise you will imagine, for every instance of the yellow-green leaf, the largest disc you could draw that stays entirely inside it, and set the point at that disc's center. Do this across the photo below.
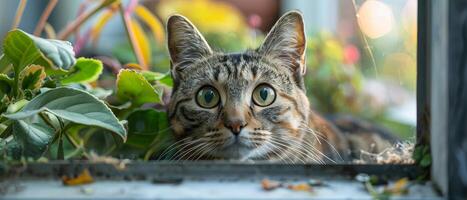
(20, 49)
(86, 70)
(31, 77)
(132, 86)
(165, 79)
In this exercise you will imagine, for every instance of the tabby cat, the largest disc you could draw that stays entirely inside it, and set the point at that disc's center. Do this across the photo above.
(252, 105)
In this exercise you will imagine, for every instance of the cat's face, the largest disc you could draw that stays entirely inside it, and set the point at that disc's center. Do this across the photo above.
(249, 105)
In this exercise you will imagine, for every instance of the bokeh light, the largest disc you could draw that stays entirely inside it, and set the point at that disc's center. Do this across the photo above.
(375, 18)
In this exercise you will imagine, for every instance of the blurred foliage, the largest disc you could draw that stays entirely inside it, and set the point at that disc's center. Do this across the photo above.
(222, 24)
(335, 79)
(332, 86)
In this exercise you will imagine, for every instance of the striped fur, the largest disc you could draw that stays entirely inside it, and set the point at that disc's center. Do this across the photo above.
(286, 131)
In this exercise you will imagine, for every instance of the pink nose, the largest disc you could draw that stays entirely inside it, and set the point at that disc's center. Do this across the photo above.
(235, 127)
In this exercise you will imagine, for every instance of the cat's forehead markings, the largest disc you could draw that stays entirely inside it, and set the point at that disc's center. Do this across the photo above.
(235, 58)
(230, 66)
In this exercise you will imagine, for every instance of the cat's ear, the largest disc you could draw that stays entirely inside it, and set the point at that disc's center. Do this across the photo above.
(286, 42)
(186, 44)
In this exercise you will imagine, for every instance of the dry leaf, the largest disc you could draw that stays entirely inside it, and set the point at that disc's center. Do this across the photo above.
(399, 187)
(270, 185)
(118, 164)
(300, 187)
(83, 178)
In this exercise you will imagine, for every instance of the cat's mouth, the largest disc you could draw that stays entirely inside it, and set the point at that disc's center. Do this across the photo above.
(235, 148)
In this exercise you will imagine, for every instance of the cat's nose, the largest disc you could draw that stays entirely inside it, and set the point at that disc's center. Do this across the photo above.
(235, 126)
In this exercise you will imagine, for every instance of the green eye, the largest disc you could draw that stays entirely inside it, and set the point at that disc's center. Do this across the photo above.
(207, 97)
(264, 95)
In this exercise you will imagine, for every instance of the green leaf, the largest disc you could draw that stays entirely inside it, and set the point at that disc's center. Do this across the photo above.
(152, 76)
(86, 70)
(5, 85)
(98, 92)
(144, 126)
(426, 160)
(15, 107)
(32, 77)
(58, 51)
(23, 49)
(5, 64)
(5, 129)
(165, 79)
(20, 49)
(73, 105)
(11, 148)
(33, 137)
(132, 86)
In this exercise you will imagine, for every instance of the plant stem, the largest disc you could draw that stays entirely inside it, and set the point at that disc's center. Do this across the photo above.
(19, 13)
(49, 30)
(16, 84)
(60, 153)
(73, 26)
(76, 145)
(131, 35)
(46, 120)
(45, 15)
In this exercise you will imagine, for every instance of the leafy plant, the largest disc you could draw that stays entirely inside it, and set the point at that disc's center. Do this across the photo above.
(51, 100)
(37, 116)
(147, 126)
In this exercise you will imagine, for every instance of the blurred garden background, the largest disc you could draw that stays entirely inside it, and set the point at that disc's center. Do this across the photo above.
(361, 54)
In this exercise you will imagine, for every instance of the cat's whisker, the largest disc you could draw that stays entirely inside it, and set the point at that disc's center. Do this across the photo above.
(191, 149)
(173, 146)
(285, 147)
(204, 151)
(310, 154)
(195, 151)
(310, 130)
(257, 149)
(320, 135)
(201, 151)
(267, 149)
(308, 144)
(264, 136)
(313, 151)
(278, 154)
(182, 147)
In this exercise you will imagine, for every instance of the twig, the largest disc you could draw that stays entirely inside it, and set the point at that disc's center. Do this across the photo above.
(19, 13)
(130, 34)
(73, 26)
(49, 30)
(45, 15)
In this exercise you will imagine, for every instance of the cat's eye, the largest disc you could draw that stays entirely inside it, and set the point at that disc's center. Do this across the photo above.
(207, 97)
(264, 95)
